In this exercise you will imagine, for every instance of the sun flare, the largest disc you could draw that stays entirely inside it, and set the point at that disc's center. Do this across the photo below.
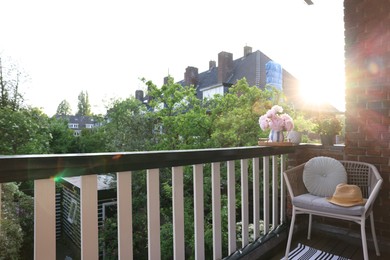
(317, 93)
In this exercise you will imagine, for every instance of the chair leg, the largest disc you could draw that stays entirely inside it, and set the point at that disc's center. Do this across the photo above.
(374, 234)
(309, 229)
(364, 238)
(290, 234)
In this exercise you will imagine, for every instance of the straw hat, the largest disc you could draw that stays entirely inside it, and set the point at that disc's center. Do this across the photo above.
(347, 195)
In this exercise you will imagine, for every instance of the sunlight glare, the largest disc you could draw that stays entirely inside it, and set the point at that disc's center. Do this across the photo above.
(312, 93)
(315, 92)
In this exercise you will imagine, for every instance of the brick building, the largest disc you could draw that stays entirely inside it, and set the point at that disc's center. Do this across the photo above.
(367, 71)
(257, 68)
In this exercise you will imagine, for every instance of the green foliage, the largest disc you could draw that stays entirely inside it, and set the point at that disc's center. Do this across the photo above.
(64, 108)
(108, 238)
(16, 222)
(236, 114)
(328, 126)
(130, 126)
(10, 239)
(181, 121)
(26, 220)
(84, 107)
(302, 124)
(24, 131)
(10, 79)
(62, 138)
(90, 141)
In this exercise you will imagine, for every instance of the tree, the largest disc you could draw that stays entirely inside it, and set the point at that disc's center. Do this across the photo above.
(84, 108)
(62, 138)
(64, 109)
(235, 115)
(23, 131)
(182, 122)
(10, 80)
(130, 126)
(17, 222)
(91, 141)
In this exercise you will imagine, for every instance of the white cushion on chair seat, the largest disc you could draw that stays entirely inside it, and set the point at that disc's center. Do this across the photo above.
(312, 202)
(322, 174)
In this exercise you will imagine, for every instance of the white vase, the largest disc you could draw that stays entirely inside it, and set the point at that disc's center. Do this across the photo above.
(294, 137)
(276, 136)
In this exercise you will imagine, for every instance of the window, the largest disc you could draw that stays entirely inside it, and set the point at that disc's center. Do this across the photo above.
(72, 211)
(73, 125)
(109, 209)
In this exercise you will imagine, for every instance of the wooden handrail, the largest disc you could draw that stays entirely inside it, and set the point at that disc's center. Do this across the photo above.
(33, 167)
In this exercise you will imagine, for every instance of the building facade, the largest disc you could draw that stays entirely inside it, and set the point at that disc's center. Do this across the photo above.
(256, 67)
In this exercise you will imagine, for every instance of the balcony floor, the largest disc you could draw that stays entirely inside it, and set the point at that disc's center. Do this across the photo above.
(341, 245)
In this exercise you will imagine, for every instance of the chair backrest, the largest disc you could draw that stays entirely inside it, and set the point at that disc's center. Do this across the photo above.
(367, 177)
(364, 175)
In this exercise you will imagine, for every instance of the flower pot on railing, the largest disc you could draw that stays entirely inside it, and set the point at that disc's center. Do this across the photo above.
(277, 123)
(294, 137)
(328, 128)
(327, 140)
(276, 136)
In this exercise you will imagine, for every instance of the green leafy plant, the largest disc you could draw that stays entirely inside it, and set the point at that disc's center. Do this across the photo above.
(302, 124)
(328, 126)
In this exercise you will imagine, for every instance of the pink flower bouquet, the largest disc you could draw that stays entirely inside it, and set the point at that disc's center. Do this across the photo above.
(275, 120)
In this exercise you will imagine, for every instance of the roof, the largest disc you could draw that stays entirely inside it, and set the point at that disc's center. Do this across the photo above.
(252, 67)
(104, 182)
(82, 120)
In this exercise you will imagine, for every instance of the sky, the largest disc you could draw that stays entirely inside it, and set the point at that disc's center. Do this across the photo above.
(105, 47)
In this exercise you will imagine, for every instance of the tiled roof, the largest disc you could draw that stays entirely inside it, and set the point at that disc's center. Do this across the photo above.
(82, 120)
(252, 67)
(208, 78)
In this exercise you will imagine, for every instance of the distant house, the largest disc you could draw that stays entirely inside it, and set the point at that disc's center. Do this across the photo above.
(257, 68)
(78, 123)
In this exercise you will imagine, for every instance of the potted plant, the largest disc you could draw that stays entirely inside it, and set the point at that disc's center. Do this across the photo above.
(302, 126)
(328, 128)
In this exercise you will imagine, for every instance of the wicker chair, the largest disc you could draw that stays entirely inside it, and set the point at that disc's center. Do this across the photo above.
(364, 175)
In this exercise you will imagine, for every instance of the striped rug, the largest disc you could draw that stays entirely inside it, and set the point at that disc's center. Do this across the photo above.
(303, 252)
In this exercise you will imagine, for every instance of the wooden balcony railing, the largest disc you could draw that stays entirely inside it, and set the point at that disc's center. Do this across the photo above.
(267, 162)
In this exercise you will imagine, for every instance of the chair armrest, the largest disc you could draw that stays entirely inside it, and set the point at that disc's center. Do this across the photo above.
(376, 182)
(294, 180)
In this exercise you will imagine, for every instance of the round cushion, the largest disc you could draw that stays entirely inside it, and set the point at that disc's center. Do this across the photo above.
(322, 174)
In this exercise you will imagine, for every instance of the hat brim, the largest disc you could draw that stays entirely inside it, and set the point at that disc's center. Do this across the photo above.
(331, 200)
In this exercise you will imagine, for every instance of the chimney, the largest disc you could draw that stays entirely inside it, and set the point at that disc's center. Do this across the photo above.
(225, 66)
(191, 76)
(212, 64)
(139, 94)
(247, 50)
(165, 82)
